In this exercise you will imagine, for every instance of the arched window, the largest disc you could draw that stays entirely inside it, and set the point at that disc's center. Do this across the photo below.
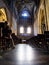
(25, 13)
(3, 16)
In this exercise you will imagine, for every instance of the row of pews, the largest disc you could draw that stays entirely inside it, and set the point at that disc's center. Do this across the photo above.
(40, 41)
(8, 40)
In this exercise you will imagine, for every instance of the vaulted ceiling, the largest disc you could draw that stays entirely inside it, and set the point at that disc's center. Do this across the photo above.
(9, 3)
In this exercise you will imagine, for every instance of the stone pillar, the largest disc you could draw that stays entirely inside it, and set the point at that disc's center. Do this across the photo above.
(47, 11)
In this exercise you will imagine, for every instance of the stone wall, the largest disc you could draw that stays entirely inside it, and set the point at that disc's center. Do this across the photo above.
(42, 18)
(47, 11)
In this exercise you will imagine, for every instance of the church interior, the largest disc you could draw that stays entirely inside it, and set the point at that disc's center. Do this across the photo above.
(24, 32)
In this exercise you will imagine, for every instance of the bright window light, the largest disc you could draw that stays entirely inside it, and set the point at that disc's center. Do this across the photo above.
(20, 52)
(25, 53)
(25, 14)
(29, 30)
(21, 29)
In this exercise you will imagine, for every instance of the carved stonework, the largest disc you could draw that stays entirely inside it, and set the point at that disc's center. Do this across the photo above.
(42, 18)
(3, 16)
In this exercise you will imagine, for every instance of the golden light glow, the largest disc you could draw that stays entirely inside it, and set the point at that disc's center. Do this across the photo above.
(3, 16)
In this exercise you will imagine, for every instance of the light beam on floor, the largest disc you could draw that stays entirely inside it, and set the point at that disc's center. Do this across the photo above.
(25, 53)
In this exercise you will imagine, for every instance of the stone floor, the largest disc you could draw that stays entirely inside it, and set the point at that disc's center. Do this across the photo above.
(24, 54)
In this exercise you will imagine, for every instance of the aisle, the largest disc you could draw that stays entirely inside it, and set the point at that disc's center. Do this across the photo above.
(24, 54)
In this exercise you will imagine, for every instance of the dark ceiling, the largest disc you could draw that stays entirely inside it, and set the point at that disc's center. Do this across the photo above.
(8, 2)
